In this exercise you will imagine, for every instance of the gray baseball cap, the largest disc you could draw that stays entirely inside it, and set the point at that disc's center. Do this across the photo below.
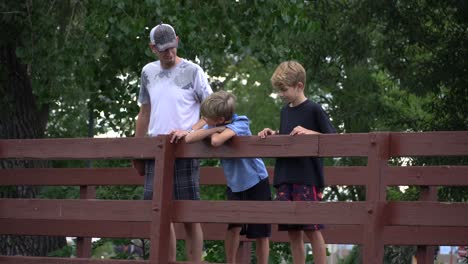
(163, 36)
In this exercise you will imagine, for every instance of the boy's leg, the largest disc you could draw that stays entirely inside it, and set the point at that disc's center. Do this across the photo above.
(318, 246)
(262, 250)
(194, 241)
(231, 243)
(297, 246)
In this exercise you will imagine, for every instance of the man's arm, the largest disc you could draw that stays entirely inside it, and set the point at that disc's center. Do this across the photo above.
(142, 122)
(141, 130)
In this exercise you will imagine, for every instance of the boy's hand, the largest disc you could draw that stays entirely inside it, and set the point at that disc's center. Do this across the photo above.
(177, 135)
(266, 132)
(302, 131)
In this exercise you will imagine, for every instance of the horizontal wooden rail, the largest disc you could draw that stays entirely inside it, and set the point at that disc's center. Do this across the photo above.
(98, 210)
(79, 148)
(427, 175)
(268, 212)
(453, 143)
(128, 176)
(42, 260)
(427, 214)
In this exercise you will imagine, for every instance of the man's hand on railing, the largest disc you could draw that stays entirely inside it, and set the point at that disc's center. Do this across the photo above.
(178, 134)
(139, 166)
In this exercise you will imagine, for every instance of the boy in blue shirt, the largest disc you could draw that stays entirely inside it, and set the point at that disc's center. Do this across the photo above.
(247, 178)
(301, 178)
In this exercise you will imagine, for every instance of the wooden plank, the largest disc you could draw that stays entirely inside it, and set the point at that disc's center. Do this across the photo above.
(269, 212)
(254, 146)
(373, 247)
(75, 228)
(42, 260)
(450, 143)
(427, 175)
(425, 235)
(162, 201)
(70, 176)
(344, 145)
(351, 175)
(122, 210)
(427, 214)
(128, 176)
(78, 148)
(333, 234)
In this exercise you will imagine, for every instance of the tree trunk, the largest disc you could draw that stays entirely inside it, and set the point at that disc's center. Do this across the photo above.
(21, 118)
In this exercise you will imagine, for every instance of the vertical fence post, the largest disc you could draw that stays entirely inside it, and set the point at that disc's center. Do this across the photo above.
(425, 254)
(162, 201)
(377, 161)
(83, 244)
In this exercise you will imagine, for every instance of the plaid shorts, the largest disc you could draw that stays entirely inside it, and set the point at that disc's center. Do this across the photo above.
(298, 192)
(186, 179)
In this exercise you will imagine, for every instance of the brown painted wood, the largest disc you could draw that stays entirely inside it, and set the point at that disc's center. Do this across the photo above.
(373, 248)
(280, 146)
(70, 176)
(128, 176)
(110, 210)
(253, 146)
(427, 214)
(162, 201)
(269, 212)
(453, 143)
(350, 145)
(333, 234)
(75, 228)
(83, 244)
(427, 175)
(425, 235)
(42, 260)
(78, 148)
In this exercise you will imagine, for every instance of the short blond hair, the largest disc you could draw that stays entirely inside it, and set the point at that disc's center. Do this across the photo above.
(288, 73)
(219, 104)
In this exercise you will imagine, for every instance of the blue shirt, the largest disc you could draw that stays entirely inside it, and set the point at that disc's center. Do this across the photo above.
(242, 173)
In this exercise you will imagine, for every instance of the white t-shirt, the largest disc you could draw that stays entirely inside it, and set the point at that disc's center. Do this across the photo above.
(175, 95)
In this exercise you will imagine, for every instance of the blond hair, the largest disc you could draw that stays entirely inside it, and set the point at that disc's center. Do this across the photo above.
(219, 104)
(288, 73)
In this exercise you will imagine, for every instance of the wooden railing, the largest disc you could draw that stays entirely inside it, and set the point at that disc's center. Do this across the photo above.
(372, 223)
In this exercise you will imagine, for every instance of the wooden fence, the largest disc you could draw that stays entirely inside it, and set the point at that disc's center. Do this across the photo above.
(372, 223)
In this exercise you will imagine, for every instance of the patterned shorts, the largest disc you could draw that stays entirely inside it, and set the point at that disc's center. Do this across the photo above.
(298, 192)
(186, 179)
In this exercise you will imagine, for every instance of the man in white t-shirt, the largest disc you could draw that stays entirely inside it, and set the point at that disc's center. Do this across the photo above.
(171, 92)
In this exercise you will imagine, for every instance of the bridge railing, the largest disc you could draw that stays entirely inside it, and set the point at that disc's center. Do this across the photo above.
(372, 223)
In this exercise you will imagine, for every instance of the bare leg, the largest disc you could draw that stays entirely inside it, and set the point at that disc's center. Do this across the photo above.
(262, 250)
(194, 241)
(318, 246)
(297, 246)
(231, 244)
(172, 244)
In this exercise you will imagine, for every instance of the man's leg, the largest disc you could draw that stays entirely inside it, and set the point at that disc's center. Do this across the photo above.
(194, 241)
(318, 246)
(262, 250)
(297, 246)
(231, 244)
